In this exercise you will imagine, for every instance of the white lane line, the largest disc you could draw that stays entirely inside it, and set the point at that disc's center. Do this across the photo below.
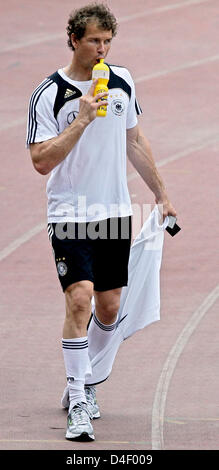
(170, 365)
(32, 42)
(63, 441)
(158, 10)
(21, 240)
(123, 19)
(178, 155)
(15, 123)
(181, 420)
(185, 66)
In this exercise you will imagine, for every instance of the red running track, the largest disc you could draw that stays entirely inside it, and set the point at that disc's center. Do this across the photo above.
(163, 391)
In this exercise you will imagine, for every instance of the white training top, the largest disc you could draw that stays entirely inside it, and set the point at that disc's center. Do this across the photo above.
(90, 184)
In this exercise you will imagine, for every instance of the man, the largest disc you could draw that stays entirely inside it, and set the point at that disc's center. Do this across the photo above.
(87, 189)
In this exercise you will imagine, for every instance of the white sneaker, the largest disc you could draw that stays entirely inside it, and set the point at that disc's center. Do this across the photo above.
(65, 398)
(79, 426)
(90, 393)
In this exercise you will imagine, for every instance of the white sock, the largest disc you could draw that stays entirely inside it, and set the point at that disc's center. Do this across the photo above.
(77, 365)
(98, 335)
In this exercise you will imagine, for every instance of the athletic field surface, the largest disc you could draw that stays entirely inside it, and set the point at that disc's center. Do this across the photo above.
(162, 393)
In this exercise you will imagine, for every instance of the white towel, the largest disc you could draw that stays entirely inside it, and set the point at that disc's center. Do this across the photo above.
(140, 300)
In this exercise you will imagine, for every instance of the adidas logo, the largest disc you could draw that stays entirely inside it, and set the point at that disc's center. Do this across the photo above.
(69, 93)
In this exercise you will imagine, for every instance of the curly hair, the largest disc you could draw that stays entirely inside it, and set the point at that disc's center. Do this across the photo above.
(79, 19)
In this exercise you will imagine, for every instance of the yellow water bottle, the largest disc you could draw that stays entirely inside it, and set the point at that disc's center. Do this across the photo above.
(101, 72)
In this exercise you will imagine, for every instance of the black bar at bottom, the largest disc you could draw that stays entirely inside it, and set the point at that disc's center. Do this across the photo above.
(101, 459)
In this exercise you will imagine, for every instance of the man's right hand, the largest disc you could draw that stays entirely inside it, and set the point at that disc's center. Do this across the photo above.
(47, 154)
(89, 104)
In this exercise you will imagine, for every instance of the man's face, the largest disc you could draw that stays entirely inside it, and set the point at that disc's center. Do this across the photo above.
(94, 45)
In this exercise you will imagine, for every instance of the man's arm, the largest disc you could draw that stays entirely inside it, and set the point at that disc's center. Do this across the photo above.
(140, 154)
(48, 154)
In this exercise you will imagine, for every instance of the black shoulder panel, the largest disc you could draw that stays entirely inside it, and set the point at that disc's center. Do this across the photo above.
(115, 81)
(65, 92)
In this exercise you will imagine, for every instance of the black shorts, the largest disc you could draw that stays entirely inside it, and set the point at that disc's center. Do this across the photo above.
(93, 251)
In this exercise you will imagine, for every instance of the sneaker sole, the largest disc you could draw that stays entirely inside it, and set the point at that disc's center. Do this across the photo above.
(84, 436)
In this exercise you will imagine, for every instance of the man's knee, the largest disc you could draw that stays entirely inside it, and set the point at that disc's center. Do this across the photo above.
(78, 297)
(107, 306)
(110, 309)
(78, 309)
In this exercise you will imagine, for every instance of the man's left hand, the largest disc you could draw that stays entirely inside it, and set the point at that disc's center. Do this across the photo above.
(165, 207)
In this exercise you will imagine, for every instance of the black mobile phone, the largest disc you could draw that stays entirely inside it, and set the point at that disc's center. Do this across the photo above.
(172, 227)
